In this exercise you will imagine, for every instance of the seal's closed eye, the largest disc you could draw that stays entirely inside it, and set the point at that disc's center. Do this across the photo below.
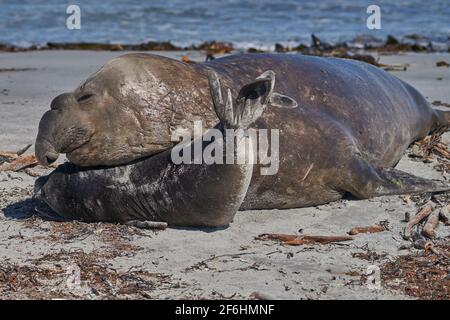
(85, 97)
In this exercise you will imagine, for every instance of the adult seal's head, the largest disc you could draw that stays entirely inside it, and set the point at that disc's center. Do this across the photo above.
(125, 111)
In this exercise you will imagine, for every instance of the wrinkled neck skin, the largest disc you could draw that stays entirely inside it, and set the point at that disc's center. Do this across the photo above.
(153, 188)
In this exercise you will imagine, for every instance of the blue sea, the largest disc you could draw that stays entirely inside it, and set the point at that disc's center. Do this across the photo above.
(245, 23)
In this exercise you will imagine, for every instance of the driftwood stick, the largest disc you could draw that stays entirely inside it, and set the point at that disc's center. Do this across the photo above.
(295, 240)
(147, 224)
(317, 239)
(370, 229)
(443, 215)
(442, 146)
(20, 163)
(442, 152)
(6, 156)
(429, 229)
(419, 217)
(277, 236)
(10, 155)
(394, 67)
(23, 150)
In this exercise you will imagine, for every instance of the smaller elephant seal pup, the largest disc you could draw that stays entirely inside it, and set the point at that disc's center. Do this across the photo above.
(156, 189)
(352, 125)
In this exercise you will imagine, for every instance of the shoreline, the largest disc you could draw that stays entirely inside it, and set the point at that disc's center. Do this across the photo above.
(392, 44)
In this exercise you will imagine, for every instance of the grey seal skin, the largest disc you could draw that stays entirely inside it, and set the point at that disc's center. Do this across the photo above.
(155, 188)
(352, 125)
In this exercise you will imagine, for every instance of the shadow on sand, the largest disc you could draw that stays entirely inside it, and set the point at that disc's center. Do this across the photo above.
(28, 208)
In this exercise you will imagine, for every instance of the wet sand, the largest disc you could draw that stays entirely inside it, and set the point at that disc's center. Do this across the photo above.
(184, 263)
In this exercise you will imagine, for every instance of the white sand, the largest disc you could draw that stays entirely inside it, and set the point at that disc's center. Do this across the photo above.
(326, 271)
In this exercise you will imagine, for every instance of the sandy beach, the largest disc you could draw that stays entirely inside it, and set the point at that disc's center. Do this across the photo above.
(41, 259)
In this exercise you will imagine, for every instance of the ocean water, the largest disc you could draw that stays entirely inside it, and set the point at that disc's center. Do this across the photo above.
(246, 23)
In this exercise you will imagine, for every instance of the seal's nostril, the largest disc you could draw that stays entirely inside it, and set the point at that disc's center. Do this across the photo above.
(51, 157)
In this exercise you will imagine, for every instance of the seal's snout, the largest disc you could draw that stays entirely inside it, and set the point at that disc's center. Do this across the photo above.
(45, 153)
(62, 129)
(47, 156)
(45, 150)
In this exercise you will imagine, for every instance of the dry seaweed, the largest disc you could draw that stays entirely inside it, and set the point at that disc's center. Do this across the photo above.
(47, 278)
(421, 274)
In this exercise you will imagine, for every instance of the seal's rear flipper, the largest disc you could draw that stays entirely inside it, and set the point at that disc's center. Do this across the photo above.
(368, 181)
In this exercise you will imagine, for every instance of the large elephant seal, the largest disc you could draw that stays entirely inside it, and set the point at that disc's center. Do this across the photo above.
(352, 125)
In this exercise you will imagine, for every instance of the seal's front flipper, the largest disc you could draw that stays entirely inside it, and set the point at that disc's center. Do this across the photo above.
(249, 105)
(367, 181)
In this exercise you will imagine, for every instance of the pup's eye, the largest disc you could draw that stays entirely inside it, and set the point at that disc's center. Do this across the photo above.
(85, 97)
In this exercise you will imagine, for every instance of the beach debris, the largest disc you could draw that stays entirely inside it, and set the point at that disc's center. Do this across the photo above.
(429, 229)
(443, 215)
(408, 43)
(151, 45)
(320, 48)
(440, 103)
(421, 274)
(21, 162)
(160, 225)
(255, 50)
(23, 150)
(47, 278)
(8, 156)
(215, 47)
(394, 67)
(425, 148)
(318, 44)
(442, 64)
(431, 144)
(419, 217)
(423, 244)
(16, 69)
(392, 44)
(295, 240)
(365, 41)
(18, 161)
(370, 229)
(406, 199)
(428, 217)
(407, 217)
(441, 149)
(391, 41)
(185, 59)
(368, 254)
(209, 57)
